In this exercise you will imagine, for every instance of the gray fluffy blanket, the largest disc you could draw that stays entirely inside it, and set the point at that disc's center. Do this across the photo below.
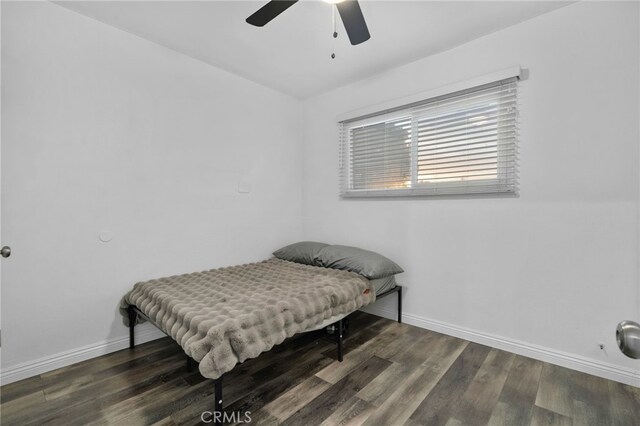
(225, 316)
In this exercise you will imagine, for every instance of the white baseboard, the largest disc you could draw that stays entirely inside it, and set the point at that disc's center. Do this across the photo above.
(62, 359)
(574, 362)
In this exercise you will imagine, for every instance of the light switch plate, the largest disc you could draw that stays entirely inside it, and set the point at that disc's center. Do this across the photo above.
(105, 236)
(244, 187)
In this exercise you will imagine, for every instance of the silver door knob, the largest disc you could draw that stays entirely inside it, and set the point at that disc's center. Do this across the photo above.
(5, 251)
(628, 338)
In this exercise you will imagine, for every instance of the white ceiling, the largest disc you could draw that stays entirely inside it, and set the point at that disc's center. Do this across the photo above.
(292, 53)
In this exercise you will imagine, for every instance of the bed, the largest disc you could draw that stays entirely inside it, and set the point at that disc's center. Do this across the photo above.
(226, 316)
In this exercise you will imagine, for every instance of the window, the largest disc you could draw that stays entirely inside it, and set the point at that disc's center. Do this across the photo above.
(459, 143)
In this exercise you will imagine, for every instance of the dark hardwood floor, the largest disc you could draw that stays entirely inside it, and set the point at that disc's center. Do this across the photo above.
(392, 374)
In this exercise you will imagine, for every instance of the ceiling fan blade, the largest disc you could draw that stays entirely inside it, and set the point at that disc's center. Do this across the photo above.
(269, 11)
(353, 20)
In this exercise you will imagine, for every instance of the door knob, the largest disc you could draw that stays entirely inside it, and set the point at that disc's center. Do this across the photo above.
(5, 251)
(628, 338)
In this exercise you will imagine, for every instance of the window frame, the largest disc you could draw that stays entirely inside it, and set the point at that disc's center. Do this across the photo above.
(506, 175)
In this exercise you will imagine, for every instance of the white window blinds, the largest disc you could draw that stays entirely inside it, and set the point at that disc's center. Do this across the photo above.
(460, 143)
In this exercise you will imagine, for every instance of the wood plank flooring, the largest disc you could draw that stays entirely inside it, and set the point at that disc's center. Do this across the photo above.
(392, 374)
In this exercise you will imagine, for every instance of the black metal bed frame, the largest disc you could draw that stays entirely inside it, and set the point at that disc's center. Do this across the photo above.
(134, 312)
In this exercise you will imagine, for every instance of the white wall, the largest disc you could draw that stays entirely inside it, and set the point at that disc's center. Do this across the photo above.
(103, 130)
(106, 131)
(550, 273)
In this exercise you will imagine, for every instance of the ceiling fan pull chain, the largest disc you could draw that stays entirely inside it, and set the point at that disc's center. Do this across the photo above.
(335, 33)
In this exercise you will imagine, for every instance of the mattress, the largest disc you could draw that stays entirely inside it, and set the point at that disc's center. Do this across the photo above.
(382, 285)
(225, 316)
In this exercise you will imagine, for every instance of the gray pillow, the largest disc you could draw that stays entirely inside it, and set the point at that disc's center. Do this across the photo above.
(367, 263)
(302, 252)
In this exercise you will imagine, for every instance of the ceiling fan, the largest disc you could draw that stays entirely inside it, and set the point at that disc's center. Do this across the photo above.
(349, 11)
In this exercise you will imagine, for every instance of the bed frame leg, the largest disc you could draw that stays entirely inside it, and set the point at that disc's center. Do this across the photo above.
(218, 415)
(191, 364)
(400, 304)
(340, 332)
(132, 323)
